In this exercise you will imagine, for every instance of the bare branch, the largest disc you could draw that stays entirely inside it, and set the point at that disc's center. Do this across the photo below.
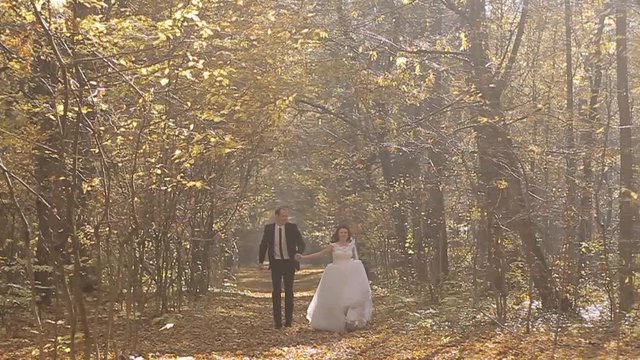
(451, 5)
(326, 110)
(9, 52)
(9, 173)
(506, 74)
(28, 141)
(29, 264)
(457, 54)
(124, 77)
(63, 64)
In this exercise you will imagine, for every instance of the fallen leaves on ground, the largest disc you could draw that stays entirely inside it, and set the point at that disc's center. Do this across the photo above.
(237, 324)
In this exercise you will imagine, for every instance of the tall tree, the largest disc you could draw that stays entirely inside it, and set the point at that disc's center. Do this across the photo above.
(570, 208)
(628, 190)
(500, 172)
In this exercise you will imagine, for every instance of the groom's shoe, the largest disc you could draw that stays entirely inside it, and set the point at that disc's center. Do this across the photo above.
(287, 324)
(278, 326)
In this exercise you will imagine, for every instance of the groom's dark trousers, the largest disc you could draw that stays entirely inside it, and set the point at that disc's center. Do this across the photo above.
(282, 272)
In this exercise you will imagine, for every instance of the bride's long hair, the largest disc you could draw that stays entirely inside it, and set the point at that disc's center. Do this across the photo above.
(335, 238)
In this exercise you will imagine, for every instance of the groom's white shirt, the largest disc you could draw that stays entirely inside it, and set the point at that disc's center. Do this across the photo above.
(276, 244)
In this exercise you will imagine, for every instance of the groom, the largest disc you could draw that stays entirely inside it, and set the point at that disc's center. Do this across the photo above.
(282, 241)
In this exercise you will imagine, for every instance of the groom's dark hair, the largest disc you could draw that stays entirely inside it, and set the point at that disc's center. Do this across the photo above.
(278, 210)
(336, 238)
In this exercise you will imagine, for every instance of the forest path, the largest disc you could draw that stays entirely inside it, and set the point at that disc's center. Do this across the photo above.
(236, 323)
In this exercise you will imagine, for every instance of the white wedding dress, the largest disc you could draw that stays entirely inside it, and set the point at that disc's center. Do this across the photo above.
(343, 298)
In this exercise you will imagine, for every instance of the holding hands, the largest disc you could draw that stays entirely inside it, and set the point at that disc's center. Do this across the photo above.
(324, 252)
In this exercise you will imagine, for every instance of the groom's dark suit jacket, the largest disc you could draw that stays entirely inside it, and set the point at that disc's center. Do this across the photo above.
(294, 241)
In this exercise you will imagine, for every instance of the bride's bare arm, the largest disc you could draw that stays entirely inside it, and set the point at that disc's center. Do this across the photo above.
(324, 252)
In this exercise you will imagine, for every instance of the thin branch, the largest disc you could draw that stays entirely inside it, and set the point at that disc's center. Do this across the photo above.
(124, 53)
(537, 110)
(125, 77)
(457, 54)
(500, 324)
(503, 58)
(29, 265)
(451, 5)
(23, 183)
(506, 74)
(28, 141)
(63, 65)
(383, 14)
(438, 111)
(328, 111)
(10, 53)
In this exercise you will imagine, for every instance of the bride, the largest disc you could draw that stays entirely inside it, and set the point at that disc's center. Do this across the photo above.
(342, 300)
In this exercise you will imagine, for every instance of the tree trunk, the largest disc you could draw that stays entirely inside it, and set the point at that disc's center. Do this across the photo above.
(434, 217)
(500, 173)
(435, 213)
(48, 175)
(570, 210)
(628, 207)
(589, 118)
(395, 186)
(418, 236)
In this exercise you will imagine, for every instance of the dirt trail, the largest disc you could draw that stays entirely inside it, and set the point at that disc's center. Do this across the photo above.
(237, 324)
